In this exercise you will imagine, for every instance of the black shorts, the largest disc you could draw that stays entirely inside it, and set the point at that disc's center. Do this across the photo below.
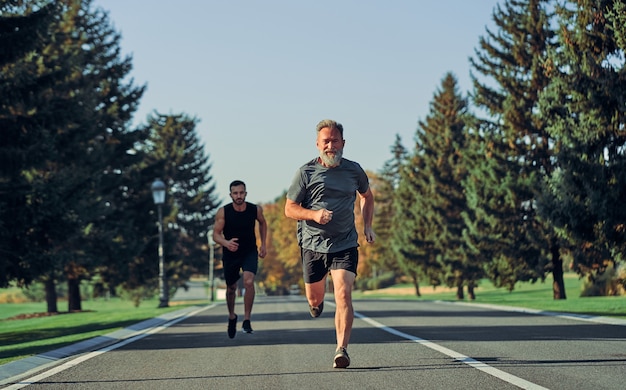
(248, 262)
(315, 265)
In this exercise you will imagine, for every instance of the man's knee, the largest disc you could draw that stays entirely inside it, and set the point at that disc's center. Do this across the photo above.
(315, 290)
(248, 279)
(343, 296)
(248, 284)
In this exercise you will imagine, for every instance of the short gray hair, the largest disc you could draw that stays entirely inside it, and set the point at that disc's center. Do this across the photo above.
(331, 124)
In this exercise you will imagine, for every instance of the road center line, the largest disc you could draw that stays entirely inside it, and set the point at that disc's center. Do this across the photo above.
(512, 379)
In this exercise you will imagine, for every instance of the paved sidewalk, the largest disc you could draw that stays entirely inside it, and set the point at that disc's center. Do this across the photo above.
(196, 290)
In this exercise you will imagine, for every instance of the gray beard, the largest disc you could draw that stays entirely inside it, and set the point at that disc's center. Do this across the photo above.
(331, 161)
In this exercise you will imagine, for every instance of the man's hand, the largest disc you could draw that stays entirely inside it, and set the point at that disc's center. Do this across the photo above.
(369, 235)
(232, 244)
(323, 216)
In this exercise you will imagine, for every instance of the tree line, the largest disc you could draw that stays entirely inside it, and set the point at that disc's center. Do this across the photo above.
(75, 200)
(528, 168)
(508, 182)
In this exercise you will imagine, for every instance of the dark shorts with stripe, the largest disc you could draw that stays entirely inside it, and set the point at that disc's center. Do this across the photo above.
(315, 265)
(248, 262)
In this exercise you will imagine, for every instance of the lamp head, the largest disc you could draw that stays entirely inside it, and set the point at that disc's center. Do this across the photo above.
(158, 191)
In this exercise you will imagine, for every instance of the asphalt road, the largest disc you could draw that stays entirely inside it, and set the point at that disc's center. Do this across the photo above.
(394, 345)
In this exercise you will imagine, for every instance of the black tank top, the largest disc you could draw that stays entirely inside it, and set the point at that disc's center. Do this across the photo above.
(240, 224)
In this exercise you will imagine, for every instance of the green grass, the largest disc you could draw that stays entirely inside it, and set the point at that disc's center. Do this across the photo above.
(21, 338)
(13, 309)
(527, 295)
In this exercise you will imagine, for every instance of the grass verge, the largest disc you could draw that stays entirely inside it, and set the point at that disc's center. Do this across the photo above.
(21, 338)
(527, 295)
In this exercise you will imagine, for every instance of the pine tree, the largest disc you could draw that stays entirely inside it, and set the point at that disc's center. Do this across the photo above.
(444, 141)
(20, 35)
(496, 230)
(22, 31)
(115, 100)
(44, 84)
(616, 16)
(513, 62)
(175, 154)
(411, 238)
(73, 105)
(584, 109)
(429, 199)
(386, 185)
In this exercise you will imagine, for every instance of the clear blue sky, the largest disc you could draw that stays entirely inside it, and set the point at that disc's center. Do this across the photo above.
(260, 74)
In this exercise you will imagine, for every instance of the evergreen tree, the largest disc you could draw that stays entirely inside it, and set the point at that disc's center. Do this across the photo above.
(115, 101)
(411, 238)
(386, 186)
(174, 150)
(584, 109)
(513, 62)
(444, 141)
(128, 249)
(430, 199)
(44, 83)
(21, 34)
(21, 31)
(496, 230)
(73, 104)
(616, 15)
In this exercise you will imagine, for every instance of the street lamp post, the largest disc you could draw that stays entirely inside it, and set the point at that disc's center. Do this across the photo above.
(158, 194)
(209, 237)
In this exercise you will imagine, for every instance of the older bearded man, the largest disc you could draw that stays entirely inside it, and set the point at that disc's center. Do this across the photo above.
(321, 197)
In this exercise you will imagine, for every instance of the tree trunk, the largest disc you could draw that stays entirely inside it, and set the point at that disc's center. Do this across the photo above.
(416, 284)
(459, 292)
(558, 285)
(51, 295)
(73, 273)
(470, 291)
(73, 295)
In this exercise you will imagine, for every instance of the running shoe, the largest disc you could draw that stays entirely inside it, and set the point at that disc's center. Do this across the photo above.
(232, 327)
(342, 360)
(246, 326)
(316, 311)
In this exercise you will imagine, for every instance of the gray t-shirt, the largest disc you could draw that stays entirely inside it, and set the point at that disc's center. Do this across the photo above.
(315, 187)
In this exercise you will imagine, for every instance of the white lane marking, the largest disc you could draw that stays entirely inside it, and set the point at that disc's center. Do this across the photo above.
(74, 362)
(512, 379)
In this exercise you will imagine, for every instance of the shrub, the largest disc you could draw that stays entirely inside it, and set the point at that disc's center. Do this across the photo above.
(608, 283)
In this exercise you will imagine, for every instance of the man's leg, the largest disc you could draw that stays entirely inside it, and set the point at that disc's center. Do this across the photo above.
(313, 268)
(231, 294)
(343, 281)
(248, 297)
(315, 292)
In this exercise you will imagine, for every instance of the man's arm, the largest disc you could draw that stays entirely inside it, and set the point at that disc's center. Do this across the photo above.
(367, 211)
(218, 232)
(295, 211)
(262, 230)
